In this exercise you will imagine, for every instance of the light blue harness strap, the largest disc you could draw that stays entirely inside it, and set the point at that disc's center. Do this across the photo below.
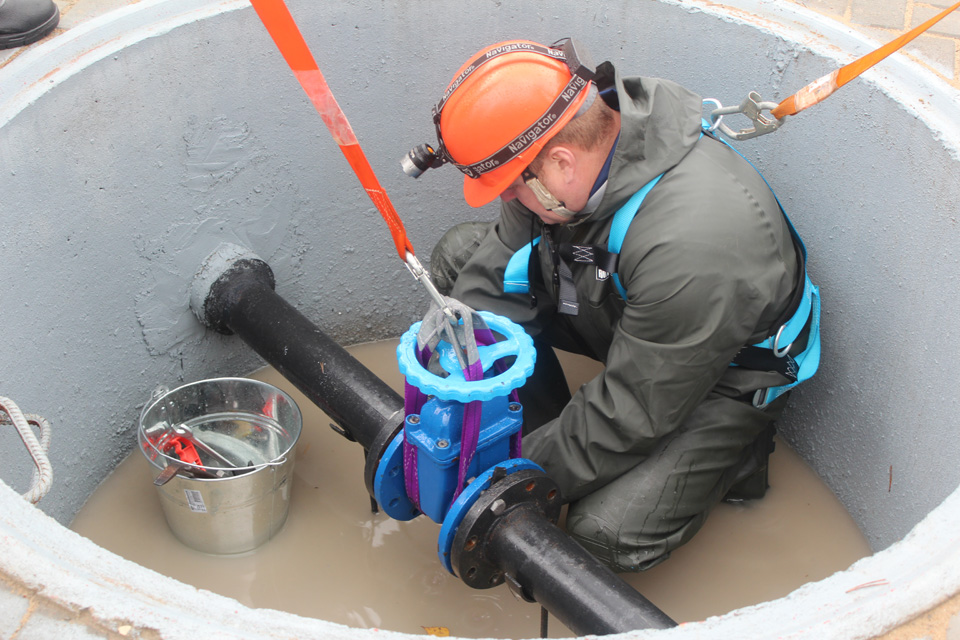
(516, 277)
(516, 280)
(625, 215)
(807, 362)
(808, 310)
(621, 223)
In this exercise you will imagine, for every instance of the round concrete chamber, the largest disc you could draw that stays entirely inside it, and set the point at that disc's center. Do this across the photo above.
(134, 145)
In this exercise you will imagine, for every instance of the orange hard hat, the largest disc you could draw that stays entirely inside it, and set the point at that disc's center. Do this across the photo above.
(502, 108)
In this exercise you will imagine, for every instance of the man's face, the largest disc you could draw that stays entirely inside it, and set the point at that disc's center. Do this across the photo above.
(552, 180)
(520, 191)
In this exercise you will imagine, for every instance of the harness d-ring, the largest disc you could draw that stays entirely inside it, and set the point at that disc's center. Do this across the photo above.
(777, 351)
(715, 123)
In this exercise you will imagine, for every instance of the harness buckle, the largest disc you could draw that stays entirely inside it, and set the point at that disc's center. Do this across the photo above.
(753, 108)
(760, 400)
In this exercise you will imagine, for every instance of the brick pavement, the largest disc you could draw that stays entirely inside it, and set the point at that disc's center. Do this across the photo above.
(882, 20)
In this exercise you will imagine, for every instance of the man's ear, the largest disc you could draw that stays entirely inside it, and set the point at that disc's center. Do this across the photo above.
(564, 161)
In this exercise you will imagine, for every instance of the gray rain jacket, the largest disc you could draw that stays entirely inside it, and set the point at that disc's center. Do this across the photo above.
(708, 265)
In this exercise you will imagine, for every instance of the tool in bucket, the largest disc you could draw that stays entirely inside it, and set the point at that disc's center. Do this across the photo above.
(186, 454)
(283, 29)
(768, 116)
(177, 447)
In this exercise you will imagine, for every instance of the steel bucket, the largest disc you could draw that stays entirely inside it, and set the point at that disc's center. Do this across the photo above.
(222, 456)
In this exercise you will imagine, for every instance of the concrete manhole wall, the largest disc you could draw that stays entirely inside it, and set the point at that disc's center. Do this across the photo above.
(132, 146)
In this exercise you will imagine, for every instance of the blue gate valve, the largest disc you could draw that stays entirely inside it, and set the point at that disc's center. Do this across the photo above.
(435, 432)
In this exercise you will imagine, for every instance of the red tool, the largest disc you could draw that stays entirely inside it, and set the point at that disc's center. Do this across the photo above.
(184, 450)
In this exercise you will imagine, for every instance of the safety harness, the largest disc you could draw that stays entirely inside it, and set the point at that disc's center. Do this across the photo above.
(772, 354)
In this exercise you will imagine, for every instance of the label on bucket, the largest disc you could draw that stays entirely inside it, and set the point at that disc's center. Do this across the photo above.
(195, 501)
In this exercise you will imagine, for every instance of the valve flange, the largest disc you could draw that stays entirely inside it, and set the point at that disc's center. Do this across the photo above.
(527, 488)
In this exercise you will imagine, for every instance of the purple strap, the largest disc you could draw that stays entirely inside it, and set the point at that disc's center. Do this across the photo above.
(472, 415)
(485, 337)
(413, 401)
(470, 434)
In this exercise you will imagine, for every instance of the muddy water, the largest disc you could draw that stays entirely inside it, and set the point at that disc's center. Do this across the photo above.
(336, 560)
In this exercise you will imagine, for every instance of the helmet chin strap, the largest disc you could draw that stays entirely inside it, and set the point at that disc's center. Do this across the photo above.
(545, 198)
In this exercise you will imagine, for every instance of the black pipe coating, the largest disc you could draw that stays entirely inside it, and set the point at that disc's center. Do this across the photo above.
(565, 579)
(243, 301)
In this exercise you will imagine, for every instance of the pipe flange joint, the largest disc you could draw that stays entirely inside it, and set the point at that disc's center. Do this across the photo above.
(389, 481)
(526, 488)
(374, 455)
(465, 501)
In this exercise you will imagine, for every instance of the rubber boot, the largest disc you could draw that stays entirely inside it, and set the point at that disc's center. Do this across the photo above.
(25, 21)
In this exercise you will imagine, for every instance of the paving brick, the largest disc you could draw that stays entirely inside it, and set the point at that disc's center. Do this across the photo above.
(936, 52)
(870, 13)
(939, 52)
(953, 630)
(833, 8)
(949, 26)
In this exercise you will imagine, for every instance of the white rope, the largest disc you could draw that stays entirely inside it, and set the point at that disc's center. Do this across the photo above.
(43, 474)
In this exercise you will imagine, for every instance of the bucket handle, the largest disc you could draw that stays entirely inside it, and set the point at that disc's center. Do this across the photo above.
(158, 393)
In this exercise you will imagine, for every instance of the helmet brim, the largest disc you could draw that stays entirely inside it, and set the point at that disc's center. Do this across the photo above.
(488, 187)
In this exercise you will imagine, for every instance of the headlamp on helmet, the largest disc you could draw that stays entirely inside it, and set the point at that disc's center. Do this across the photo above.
(548, 86)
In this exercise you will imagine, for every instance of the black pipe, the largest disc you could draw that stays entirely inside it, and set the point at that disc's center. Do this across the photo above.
(525, 545)
(565, 579)
(243, 301)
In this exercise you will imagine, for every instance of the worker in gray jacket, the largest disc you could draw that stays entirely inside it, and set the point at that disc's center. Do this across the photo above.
(705, 267)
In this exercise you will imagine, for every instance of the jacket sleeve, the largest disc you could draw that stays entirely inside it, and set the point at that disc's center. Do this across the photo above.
(702, 268)
(480, 282)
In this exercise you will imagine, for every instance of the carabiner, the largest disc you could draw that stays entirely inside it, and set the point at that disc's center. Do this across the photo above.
(423, 277)
(753, 108)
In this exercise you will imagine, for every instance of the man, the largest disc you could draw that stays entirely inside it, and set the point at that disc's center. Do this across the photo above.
(23, 22)
(707, 266)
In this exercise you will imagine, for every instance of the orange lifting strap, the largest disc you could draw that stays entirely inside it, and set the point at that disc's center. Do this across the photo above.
(285, 33)
(818, 90)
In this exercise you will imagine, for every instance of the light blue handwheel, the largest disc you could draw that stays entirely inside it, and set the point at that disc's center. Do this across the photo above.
(454, 387)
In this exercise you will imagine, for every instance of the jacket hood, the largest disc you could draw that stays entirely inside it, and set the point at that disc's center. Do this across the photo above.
(659, 125)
